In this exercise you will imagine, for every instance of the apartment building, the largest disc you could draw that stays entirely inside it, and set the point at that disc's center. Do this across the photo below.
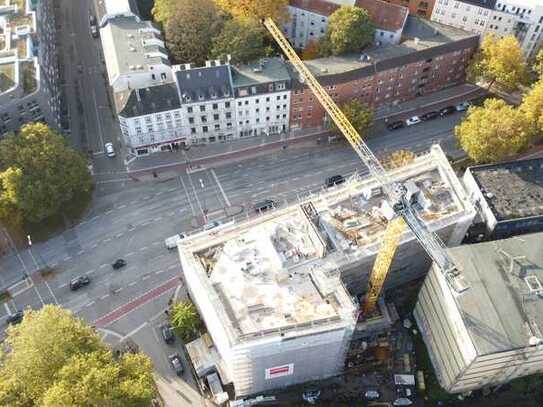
(492, 332)
(262, 97)
(29, 89)
(309, 20)
(275, 291)
(522, 18)
(134, 53)
(419, 8)
(109, 9)
(432, 56)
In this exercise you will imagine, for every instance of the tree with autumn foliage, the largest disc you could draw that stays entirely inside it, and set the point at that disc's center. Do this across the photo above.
(499, 60)
(360, 116)
(311, 50)
(256, 9)
(399, 158)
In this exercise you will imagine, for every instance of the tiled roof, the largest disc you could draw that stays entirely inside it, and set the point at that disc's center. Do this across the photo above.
(386, 16)
(322, 7)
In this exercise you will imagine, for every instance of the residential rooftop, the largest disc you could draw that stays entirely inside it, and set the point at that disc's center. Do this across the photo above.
(321, 7)
(210, 82)
(386, 16)
(107, 9)
(154, 99)
(513, 189)
(281, 271)
(419, 35)
(266, 70)
(503, 308)
(131, 46)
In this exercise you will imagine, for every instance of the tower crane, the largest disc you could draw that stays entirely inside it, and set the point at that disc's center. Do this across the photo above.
(405, 209)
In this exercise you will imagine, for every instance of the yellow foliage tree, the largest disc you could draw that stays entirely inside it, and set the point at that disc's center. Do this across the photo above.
(311, 50)
(256, 9)
(499, 60)
(532, 107)
(399, 158)
(493, 132)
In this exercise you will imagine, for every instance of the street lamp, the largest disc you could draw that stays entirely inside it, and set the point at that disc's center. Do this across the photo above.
(204, 209)
(30, 251)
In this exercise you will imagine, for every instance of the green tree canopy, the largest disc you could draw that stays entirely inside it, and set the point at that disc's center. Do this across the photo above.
(38, 173)
(537, 64)
(256, 9)
(492, 132)
(499, 60)
(242, 39)
(163, 10)
(349, 30)
(55, 360)
(358, 114)
(532, 108)
(190, 28)
(185, 319)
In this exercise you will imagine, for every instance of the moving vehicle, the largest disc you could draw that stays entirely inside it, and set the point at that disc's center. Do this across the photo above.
(372, 395)
(167, 333)
(265, 205)
(429, 115)
(93, 26)
(171, 242)
(447, 110)
(413, 120)
(119, 263)
(462, 106)
(211, 225)
(395, 125)
(79, 282)
(16, 318)
(311, 395)
(334, 180)
(110, 152)
(177, 365)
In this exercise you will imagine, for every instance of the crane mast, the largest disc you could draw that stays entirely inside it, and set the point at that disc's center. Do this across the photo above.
(394, 191)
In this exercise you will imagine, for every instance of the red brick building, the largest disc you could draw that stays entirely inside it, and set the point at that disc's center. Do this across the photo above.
(431, 57)
(421, 8)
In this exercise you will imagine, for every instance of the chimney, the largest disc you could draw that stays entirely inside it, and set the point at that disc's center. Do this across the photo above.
(217, 62)
(187, 66)
(209, 64)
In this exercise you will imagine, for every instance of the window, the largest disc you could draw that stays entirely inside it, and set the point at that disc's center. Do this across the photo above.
(189, 110)
(280, 86)
(202, 108)
(191, 120)
(267, 99)
(284, 96)
(246, 102)
(203, 119)
(215, 117)
(228, 115)
(215, 106)
(227, 104)
(205, 129)
(192, 130)
(257, 101)
(268, 118)
(257, 110)
(229, 125)
(217, 127)
(239, 103)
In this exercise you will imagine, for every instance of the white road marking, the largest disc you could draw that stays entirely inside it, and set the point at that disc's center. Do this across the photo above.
(157, 219)
(80, 252)
(172, 266)
(130, 254)
(103, 297)
(155, 243)
(134, 331)
(90, 304)
(7, 309)
(51, 292)
(220, 187)
(90, 271)
(103, 265)
(107, 240)
(159, 271)
(132, 283)
(143, 248)
(188, 196)
(121, 206)
(67, 258)
(146, 277)
(119, 235)
(63, 285)
(118, 290)
(109, 211)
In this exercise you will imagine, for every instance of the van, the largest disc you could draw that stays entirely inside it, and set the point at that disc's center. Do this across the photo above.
(334, 180)
(264, 205)
(171, 242)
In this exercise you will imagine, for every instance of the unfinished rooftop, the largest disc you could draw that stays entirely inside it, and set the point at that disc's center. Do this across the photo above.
(282, 271)
(512, 190)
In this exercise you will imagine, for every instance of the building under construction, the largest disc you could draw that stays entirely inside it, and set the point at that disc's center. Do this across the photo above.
(278, 293)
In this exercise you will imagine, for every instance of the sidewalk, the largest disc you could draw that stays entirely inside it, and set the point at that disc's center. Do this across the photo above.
(197, 156)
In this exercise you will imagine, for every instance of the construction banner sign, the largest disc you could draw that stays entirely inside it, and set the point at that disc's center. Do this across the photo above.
(279, 371)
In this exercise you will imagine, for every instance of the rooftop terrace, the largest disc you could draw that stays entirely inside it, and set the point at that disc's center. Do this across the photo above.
(512, 190)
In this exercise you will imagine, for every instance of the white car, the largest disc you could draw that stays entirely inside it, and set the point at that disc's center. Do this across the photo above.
(110, 152)
(372, 395)
(413, 120)
(462, 106)
(402, 401)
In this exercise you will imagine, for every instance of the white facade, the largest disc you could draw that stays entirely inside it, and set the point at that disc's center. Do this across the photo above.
(304, 26)
(524, 21)
(209, 121)
(264, 114)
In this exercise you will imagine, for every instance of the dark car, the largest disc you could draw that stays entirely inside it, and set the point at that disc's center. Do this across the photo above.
(79, 282)
(177, 365)
(396, 125)
(429, 116)
(167, 333)
(335, 180)
(447, 111)
(16, 318)
(265, 205)
(119, 263)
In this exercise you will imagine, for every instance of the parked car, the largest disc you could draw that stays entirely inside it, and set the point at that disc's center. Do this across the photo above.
(429, 115)
(167, 333)
(404, 392)
(265, 205)
(211, 225)
(171, 242)
(395, 125)
(119, 263)
(16, 318)
(79, 282)
(177, 365)
(311, 395)
(93, 26)
(334, 180)
(447, 110)
(413, 120)
(402, 401)
(110, 152)
(372, 395)
(462, 106)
